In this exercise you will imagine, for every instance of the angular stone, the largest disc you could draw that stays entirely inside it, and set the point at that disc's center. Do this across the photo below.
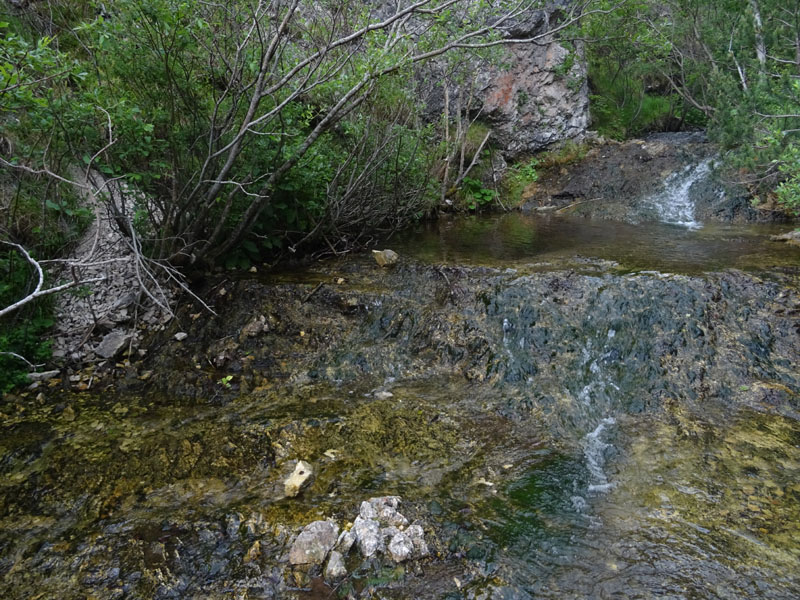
(300, 478)
(314, 542)
(401, 547)
(387, 533)
(368, 511)
(112, 344)
(44, 376)
(335, 569)
(388, 515)
(346, 541)
(180, 336)
(381, 501)
(368, 534)
(417, 536)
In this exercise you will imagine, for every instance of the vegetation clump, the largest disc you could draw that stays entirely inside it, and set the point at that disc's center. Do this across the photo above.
(730, 67)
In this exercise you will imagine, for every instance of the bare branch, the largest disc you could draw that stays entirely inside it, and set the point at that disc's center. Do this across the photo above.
(39, 292)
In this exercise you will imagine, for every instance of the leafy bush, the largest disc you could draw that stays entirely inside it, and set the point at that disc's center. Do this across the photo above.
(475, 194)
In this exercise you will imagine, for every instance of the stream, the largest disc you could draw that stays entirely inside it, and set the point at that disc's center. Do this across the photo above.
(571, 408)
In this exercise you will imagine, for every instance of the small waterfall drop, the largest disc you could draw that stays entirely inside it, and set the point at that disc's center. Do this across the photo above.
(674, 204)
(594, 450)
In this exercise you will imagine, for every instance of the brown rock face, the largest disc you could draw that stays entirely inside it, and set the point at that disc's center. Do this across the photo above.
(539, 97)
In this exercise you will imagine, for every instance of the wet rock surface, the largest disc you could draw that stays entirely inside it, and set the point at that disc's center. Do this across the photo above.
(615, 180)
(473, 393)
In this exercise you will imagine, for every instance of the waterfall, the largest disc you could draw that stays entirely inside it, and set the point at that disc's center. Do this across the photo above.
(674, 204)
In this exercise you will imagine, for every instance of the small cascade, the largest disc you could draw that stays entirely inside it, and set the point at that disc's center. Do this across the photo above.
(674, 204)
(595, 452)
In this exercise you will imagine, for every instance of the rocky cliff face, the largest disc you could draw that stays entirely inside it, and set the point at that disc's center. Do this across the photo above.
(531, 96)
(539, 95)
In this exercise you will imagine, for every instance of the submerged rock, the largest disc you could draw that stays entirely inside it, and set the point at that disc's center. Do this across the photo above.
(791, 237)
(385, 258)
(299, 479)
(253, 328)
(314, 542)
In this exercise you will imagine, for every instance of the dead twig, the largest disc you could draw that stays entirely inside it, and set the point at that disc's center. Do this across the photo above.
(574, 204)
(312, 292)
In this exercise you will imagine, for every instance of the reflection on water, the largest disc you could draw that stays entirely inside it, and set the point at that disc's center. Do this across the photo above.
(516, 238)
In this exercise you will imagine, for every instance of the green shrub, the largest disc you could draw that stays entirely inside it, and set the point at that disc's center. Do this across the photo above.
(475, 194)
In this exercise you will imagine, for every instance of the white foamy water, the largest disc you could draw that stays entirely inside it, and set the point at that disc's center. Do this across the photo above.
(594, 450)
(674, 204)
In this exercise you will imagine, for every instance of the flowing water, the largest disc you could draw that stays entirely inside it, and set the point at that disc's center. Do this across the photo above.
(674, 203)
(574, 409)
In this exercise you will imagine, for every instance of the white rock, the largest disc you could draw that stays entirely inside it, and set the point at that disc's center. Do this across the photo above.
(401, 547)
(368, 534)
(300, 477)
(367, 510)
(388, 515)
(335, 569)
(380, 501)
(346, 541)
(181, 336)
(417, 536)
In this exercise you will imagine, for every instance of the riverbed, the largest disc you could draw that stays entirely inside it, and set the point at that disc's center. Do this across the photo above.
(571, 408)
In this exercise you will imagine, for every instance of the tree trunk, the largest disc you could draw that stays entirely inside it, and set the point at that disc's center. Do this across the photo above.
(761, 48)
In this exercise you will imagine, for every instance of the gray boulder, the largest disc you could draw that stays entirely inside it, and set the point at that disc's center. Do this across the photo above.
(112, 344)
(314, 542)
